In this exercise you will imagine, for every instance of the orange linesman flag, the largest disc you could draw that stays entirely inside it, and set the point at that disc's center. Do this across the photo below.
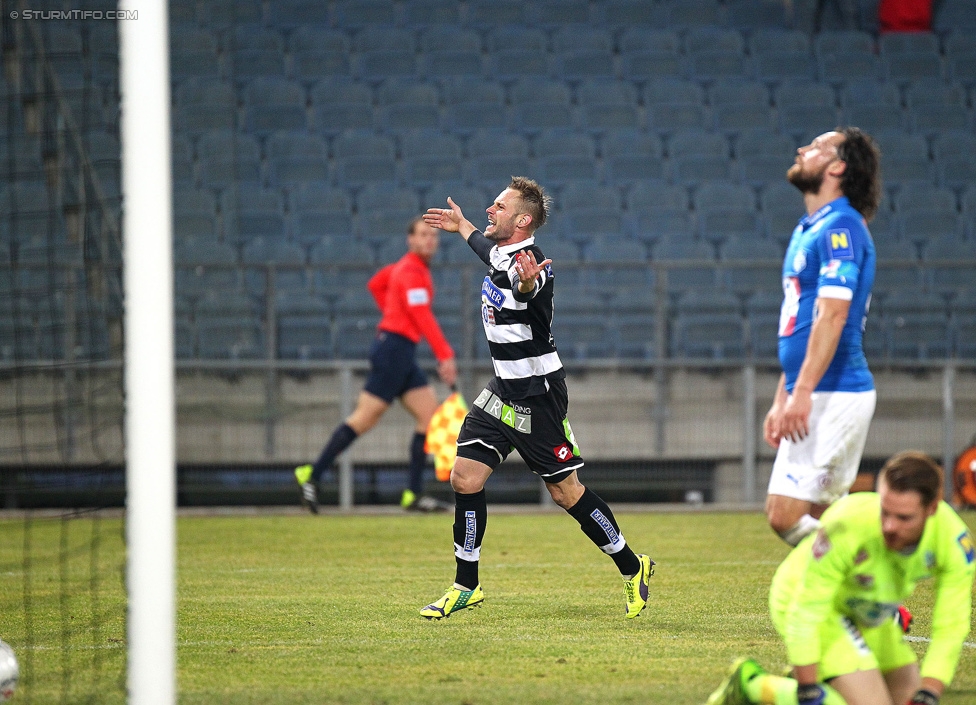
(442, 434)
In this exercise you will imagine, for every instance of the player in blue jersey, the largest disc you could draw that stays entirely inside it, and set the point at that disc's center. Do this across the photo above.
(823, 406)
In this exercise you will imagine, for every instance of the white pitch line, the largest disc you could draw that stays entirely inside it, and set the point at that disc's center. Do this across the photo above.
(926, 639)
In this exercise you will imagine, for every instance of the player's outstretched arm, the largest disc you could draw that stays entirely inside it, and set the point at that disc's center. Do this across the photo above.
(450, 219)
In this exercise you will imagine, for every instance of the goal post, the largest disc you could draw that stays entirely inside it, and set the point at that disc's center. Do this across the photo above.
(149, 361)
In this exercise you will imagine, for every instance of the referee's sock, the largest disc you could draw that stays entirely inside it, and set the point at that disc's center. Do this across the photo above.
(418, 462)
(470, 517)
(598, 523)
(341, 439)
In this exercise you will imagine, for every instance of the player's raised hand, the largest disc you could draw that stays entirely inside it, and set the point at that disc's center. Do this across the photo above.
(527, 268)
(448, 219)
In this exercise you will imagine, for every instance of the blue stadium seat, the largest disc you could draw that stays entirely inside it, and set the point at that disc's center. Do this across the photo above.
(608, 105)
(472, 104)
(617, 260)
(430, 156)
(917, 325)
(385, 211)
(648, 54)
(377, 65)
(698, 156)
(563, 156)
(588, 219)
(695, 13)
(494, 157)
(904, 159)
(182, 163)
(229, 337)
(955, 16)
(739, 105)
(516, 52)
(318, 52)
(295, 157)
(205, 104)
(272, 250)
(937, 108)
(227, 157)
(724, 211)
(272, 104)
(754, 264)
(583, 337)
(762, 156)
(189, 252)
(255, 52)
(339, 104)
(650, 196)
(540, 104)
(461, 56)
(194, 215)
(704, 335)
(472, 201)
(848, 66)
(289, 261)
(753, 15)
(583, 53)
(354, 335)
(224, 13)
(355, 14)
(673, 104)
(631, 155)
(627, 14)
(925, 199)
(421, 14)
(485, 14)
(782, 206)
(582, 37)
(408, 105)
(341, 249)
(683, 249)
(292, 14)
(553, 14)
(362, 157)
(193, 53)
(710, 302)
(635, 334)
(251, 211)
(304, 326)
(780, 53)
(318, 211)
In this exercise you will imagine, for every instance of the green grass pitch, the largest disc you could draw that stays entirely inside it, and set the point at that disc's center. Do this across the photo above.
(302, 609)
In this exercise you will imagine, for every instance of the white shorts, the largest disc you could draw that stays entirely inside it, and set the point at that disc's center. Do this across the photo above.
(823, 466)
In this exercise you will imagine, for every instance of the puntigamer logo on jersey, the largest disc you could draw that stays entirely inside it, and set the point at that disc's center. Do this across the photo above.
(492, 294)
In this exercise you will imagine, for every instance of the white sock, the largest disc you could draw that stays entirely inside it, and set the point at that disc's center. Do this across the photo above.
(806, 525)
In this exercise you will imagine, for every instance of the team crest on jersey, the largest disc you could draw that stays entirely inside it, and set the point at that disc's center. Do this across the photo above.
(840, 244)
(488, 314)
(831, 270)
(861, 556)
(799, 262)
(492, 294)
(966, 544)
(821, 545)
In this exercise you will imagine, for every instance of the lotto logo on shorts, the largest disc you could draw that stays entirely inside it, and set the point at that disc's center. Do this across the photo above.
(563, 453)
(605, 524)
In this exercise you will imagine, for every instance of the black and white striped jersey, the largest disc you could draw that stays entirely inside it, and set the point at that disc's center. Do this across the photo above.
(518, 326)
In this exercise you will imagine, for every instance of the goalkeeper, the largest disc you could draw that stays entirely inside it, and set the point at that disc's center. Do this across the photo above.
(833, 598)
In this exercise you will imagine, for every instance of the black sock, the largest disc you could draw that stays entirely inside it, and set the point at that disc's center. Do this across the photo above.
(341, 439)
(598, 523)
(418, 462)
(470, 517)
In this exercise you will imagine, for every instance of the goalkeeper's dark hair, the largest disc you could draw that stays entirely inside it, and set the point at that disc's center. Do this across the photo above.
(861, 182)
(534, 198)
(913, 471)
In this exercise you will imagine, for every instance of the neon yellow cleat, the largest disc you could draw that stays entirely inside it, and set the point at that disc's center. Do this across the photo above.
(731, 691)
(407, 499)
(310, 495)
(636, 587)
(454, 600)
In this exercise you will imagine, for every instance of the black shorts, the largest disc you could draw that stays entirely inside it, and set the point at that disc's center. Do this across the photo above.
(536, 427)
(393, 367)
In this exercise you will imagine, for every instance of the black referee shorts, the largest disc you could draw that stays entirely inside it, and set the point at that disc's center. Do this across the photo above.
(536, 427)
(393, 369)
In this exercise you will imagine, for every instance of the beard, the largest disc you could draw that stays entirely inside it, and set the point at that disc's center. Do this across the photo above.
(500, 234)
(805, 182)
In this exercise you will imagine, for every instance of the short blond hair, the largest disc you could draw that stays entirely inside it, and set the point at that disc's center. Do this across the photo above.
(534, 198)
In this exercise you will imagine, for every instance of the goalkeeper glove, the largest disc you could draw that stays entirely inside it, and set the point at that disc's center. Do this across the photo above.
(810, 694)
(924, 697)
(904, 619)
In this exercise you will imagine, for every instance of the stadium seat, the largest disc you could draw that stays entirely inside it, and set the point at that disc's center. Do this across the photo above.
(781, 206)
(227, 157)
(649, 196)
(287, 259)
(354, 335)
(224, 13)
(430, 156)
(685, 277)
(251, 211)
(763, 156)
(627, 14)
(739, 105)
(955, 258)
(190, 252)
(904, 159)
(753, 15)
(356, 14)
(725, 210)
(182, 164)
(407, 105)
(339, 104)
(421, 14)
(272, 104)
(583, 337)
(553, 14)
(193, 53)
(385, 211)
(631, 155)
(304, 327)
(847, 66)
(695, 13)
(805, 107)
(473, 201)
(229, 337)
(538, 105)
(673, 104)
(292, 14)
(563, 156)
(362, 157)
(318, 52)
(937, 108)
(698, 156)
(295, 157)
(917, 325)
(712, 336)
(461, 56)
(517, 52)
(318, 211)
(255, 52)
(194, 215)
(495, 156)
(473, 104)
(753, 264)
(205, 104)
(485, 14)
(649, 54)
(608, 106)
(955, 16)
(779, 54)
(617, 260)
(635, 333)
(334, 249)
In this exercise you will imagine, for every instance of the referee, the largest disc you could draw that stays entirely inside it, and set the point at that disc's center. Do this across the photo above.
(403, 292)
(524, 405)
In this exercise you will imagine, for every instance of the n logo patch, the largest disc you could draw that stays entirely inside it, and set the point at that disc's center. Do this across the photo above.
(840, 244)
(966, 544)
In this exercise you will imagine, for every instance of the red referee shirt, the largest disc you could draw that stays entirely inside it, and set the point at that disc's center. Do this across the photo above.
(404, 292)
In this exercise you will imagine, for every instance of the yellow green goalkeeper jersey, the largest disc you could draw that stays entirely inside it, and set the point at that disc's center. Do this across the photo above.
(846, 568)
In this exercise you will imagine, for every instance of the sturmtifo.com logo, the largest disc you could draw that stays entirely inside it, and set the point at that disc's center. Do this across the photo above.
(74, 15)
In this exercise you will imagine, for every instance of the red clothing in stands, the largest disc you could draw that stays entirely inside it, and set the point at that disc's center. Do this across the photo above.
(404, 292)
(905, 15)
